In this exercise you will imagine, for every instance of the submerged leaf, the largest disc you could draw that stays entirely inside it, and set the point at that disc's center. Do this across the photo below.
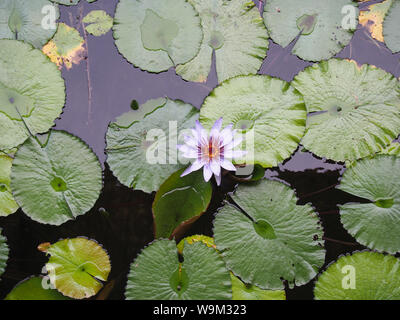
(57, 181)
(77, 267)
(360, 276)
(275, 240)
(157, 274)
(391, 27)
(242, 291)
(98, 22)
(7, 202)
(157, 35)
(33, 92)
(3, 253)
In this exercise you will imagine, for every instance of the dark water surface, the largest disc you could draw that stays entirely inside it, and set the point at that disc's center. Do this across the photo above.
(121, 219)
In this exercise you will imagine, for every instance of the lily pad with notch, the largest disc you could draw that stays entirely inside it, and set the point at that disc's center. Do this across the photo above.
(158, 274)
(98, 22)
(7, 202)
(56, 179)
(354, 111)
(266, 238)
(77, 267)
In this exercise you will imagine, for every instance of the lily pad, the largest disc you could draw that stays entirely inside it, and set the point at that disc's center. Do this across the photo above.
(77, 267)
(22, 20)
(354, 111)
(373, 18)
(360, 276)
(3, 253)
(57, 181)
(66, 48)
(157, 35)
(375, 224)
(236, 32)
(272, 240)
(33, 92)
(318, 22)
(179, 202)
(242, 291)
(391, 27)
(208, 241)
(157, 274)
(7, 202)
(392, 149)
(32, 289)
(138, 143)
(98, 22)
(268, 112)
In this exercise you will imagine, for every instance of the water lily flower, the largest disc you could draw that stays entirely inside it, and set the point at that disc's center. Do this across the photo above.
(211, 151)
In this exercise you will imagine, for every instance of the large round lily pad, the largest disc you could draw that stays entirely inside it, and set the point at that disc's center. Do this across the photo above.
(157, 274)
(354, 111)
(7, 202)
(138, 143)
(236, 32)
(391, 27)
(272, 240)
(267, 111)
(3, 253)
(22, 20)
(33, 289)
(318, 22)
(57, 180)
(360, 276)
(156, 35)
(77, 267)
(34, 92)
(376, 224)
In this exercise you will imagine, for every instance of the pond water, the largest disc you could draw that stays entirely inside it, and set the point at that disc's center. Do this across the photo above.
(122, 220)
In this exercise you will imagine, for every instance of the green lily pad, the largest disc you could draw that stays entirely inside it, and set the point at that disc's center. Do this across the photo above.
(267, 111)
(138, 149)
(354, 111)
(77, 267)
(7, 202)
(22, 20)
(392, 149)
(58, 181)
(32, 289)
(391, 26)
(179, 202)
(242, 291)
(236, 32)
(34, 92)
(275, 240)
(319, 23)
(98, 22)
(3, 253)
(360, 276)
(157, 35)
(157, 274)
(375, 224)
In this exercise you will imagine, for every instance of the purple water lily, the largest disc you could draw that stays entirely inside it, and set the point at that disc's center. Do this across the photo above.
(211, 151)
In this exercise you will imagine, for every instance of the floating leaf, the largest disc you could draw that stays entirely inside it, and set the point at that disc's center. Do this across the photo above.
(66, 48)
(77, 267)
(3, 253)
(360, 276)
(7, 202)
(372, 19)
(354, 111)
(157, 274)
(392, 149)
(24, 20)
(376, 224)
(98, 22)
(275, 240)
(33, 289)
(208, 241)
(235, 30)
(34, 91)
(242, 291)
(157, 35)
(267, 111)
(179, 202)
(319, 23)
(139, 150)
(391, 26)
(57, 182)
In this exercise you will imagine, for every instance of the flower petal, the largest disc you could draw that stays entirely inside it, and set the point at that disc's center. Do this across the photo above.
(218, 179)
(232, 154)
(226, 135)
(215, 167)
(207, 173)
(234, 143)
(190, 141)
(194, 167)
(227, 165)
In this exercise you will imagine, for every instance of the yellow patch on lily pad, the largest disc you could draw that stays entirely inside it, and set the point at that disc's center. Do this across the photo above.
(373, 18)
(66, 48)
